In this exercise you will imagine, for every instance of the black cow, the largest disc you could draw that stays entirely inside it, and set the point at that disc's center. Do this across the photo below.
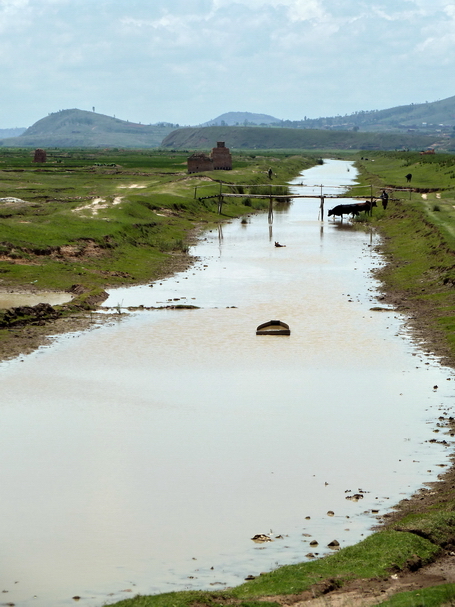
(344, 209)
(352, 209)
(366, 206)
(409, 177)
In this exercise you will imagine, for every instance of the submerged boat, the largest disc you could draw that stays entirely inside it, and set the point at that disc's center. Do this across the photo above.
(273, 327)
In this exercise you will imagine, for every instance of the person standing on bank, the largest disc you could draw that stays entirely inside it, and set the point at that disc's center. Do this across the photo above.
(385, 199)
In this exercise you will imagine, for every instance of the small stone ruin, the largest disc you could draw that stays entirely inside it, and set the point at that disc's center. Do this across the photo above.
(40, 155)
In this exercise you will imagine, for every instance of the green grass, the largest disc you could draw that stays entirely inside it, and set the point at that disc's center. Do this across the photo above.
(425, 597)
(376, 556)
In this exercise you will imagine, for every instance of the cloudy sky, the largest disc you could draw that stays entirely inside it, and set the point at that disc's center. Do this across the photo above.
(188, 61)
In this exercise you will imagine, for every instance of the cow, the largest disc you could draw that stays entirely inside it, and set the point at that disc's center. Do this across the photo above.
(409, 177)
(344, 209)
(365, 206)
(352, 209)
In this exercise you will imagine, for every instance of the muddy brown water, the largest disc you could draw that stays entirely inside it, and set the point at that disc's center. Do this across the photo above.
(142, 456)
(13, 299)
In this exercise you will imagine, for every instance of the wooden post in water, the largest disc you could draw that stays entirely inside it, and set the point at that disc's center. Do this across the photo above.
(220, 199)
(270, 205)
(321, 206)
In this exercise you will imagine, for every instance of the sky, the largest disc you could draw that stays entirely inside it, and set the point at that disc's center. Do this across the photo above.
(188, 61)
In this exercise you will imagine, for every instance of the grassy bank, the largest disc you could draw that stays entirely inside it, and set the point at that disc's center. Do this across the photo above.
(419, 240)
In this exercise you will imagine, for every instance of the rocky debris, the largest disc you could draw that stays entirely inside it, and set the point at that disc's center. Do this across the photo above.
(12, 200)
(261, 538)
(334, 544)
(22, 315)
(354, 498)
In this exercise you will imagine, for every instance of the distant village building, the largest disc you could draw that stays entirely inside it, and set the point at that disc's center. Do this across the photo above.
(40, 155)
(220, 159)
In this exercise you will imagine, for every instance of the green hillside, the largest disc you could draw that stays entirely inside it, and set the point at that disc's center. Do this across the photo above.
(297, 139)
(79, 128)
(425, 118)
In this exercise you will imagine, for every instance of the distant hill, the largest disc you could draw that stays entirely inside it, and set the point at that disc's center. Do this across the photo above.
(241, 119)
(434, 117)
(296, 139)
(79, 128)
(410, 123)
(11, 132)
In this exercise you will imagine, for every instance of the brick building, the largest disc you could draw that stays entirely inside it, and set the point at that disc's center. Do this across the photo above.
(220, 159)
(40, 155)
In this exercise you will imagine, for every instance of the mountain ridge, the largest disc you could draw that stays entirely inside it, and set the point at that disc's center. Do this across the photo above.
(81, 128)
(241, 118)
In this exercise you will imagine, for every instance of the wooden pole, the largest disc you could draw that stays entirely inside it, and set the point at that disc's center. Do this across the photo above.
(220, 199)
(270, 205)
(322, 208)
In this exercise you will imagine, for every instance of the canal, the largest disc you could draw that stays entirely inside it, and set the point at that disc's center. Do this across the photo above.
(143, 455)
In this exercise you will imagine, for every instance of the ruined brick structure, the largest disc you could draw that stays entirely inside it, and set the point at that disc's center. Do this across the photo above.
(40, 155)
(198, 162)
(220, 159)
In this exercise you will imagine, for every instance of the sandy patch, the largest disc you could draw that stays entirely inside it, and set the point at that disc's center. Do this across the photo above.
(98, 204)
(132, 186)
(165, 213)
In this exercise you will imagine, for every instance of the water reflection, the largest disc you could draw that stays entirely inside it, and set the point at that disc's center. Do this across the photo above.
(146, 454)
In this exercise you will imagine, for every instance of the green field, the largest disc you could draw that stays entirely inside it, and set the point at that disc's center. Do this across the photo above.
(100, 218)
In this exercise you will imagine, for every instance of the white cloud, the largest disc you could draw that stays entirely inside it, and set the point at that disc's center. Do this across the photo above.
(187, 60)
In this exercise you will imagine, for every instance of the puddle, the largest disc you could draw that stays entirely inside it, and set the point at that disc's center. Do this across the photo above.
(13, 300)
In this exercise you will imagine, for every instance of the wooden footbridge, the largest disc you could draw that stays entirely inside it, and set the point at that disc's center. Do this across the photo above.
(280, 192)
